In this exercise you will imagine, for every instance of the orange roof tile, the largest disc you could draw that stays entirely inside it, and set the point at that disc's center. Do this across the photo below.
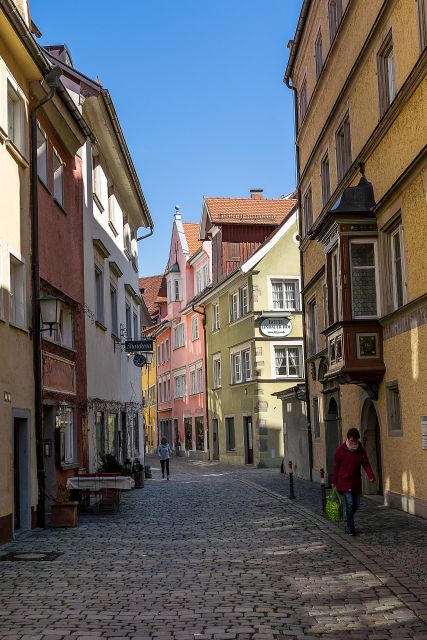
(191, 231)
(249, 210)
(151, 286)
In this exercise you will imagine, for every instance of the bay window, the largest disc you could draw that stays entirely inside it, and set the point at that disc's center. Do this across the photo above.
(363, 279)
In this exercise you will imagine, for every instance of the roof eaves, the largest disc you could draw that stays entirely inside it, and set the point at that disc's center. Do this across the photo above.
(297, 40)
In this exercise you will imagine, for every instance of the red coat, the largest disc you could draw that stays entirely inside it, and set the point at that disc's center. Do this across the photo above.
(347, 465)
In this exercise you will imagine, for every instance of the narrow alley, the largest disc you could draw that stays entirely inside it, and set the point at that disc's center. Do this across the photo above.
(219, 552)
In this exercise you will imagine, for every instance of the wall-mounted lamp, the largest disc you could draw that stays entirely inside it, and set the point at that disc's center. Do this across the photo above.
(50, 311)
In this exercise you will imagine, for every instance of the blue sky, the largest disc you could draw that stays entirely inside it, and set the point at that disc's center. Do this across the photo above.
(198, 88)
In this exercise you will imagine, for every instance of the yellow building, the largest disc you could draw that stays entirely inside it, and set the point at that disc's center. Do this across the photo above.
(18, 478)
(253, 339)
(358, 71)
(148, 381)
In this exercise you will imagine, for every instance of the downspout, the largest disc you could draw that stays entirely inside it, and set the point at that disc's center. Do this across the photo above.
(304, 333)
(147, 235)
(52, 79)
(203, 314)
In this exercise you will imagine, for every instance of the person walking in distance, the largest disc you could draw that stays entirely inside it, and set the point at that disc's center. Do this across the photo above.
(350, 457)
(164, 452)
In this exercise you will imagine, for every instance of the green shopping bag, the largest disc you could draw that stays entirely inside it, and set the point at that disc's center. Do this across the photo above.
(334, 507)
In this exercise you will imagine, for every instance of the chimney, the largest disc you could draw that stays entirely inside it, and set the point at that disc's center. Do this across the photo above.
(257, 194)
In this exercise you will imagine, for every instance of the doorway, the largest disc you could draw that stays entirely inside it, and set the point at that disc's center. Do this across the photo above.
(371, 441)
(247, 433)
(21, 474)
(215, 440)
(332, 435)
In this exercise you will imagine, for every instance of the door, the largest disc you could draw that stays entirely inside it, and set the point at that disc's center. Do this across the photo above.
(215, 440)
(249, 448)
(333, 436)
(372, 443)
(16, 475)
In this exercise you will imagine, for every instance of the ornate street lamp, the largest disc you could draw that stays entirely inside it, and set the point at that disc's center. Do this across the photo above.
(50, 312)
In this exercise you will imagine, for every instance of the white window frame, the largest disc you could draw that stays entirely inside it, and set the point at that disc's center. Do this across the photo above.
(58, 194)
(398, 231)
(234, 306)
(17, 291)
(194, 328)
(192, 372)
(244, 300)
(14, 91)
(372, 241)
(286, 345)
(238, 356)
(216, 370)
(66, 423)
(179, 383)
(283, 280)
(178, 335)
(199, 377)
(386, 74)
(42, 164)
(216, 324)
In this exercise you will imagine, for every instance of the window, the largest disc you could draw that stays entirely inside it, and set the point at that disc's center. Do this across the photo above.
(199, 378)
(316, 419)
(239, 303)
(127, 240)
(114, 318)
(17, 292)
(100, 434)
(65, 424)
(58, 178)
(241, 366)
(318, 54)
(325, 306)
(215, 316)
(113, 211)
(199, 285)
(179, 383)
(399, 291)
(159, 360)
(128, 317)
(168, 387)
(285, 295)
(135, 325)
(163, 352)
(15, 116)
(303, 99)
(307, 211)
(313, 346)
(178, 336)
(217, 371)
(41, 154)
(100, 186)
(167, 350)
(335, 16)
(206, 279)
(385, 68)
(160, 391)
(288, 361)
(188, 433)
(394, 417)
(230, 434)
(363, 280)
(325, 178)
(343, 147)
(194, 328)
(99, 295)
(64, 331)
(335, 286)
(233, 251)
(113, 433)
(422, 23)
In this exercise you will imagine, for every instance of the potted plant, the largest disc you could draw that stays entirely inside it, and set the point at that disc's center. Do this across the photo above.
(63, 510)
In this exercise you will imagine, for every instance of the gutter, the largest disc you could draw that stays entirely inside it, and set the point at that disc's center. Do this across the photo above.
(296, 41)
(203, 314)
(52, 79)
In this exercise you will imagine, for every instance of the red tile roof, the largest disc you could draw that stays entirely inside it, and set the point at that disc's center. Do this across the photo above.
(191, 231)
(249, 210)
(151, 286)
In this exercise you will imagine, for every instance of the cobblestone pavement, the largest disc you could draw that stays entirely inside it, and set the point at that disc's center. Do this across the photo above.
(219, 553)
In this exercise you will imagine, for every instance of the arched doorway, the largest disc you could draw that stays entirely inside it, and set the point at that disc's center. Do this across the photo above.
(332, 435)
(372, 443)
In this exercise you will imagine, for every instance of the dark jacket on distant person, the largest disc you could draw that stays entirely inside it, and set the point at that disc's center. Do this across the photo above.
(347, 465)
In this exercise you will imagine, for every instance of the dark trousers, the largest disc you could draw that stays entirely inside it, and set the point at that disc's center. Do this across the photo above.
(165, 463)
(352, 502)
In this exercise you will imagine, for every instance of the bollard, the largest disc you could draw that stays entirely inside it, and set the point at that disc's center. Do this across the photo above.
(323, 489)
(291, 482)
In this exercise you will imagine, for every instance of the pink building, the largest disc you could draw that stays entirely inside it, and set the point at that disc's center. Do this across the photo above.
(180, 343)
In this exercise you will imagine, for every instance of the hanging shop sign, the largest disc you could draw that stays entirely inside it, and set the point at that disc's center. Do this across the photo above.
(276, 327)
(139, 360)
(135, 346)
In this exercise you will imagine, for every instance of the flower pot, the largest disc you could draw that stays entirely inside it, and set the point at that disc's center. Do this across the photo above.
(64, 514)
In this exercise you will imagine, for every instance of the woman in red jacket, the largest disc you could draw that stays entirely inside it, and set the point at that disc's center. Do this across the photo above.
(349, 458)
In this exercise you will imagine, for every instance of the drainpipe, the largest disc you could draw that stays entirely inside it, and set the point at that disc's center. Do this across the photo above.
(147, 235)
(304, 333)
(203, 314)
(52, 79)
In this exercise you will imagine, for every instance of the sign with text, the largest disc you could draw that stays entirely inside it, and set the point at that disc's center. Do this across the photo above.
(276, 327)
(134, 346)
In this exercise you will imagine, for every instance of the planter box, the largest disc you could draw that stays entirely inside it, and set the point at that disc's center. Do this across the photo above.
(64, 514)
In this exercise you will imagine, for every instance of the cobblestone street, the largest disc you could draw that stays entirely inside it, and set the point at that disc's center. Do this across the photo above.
(220, 552)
